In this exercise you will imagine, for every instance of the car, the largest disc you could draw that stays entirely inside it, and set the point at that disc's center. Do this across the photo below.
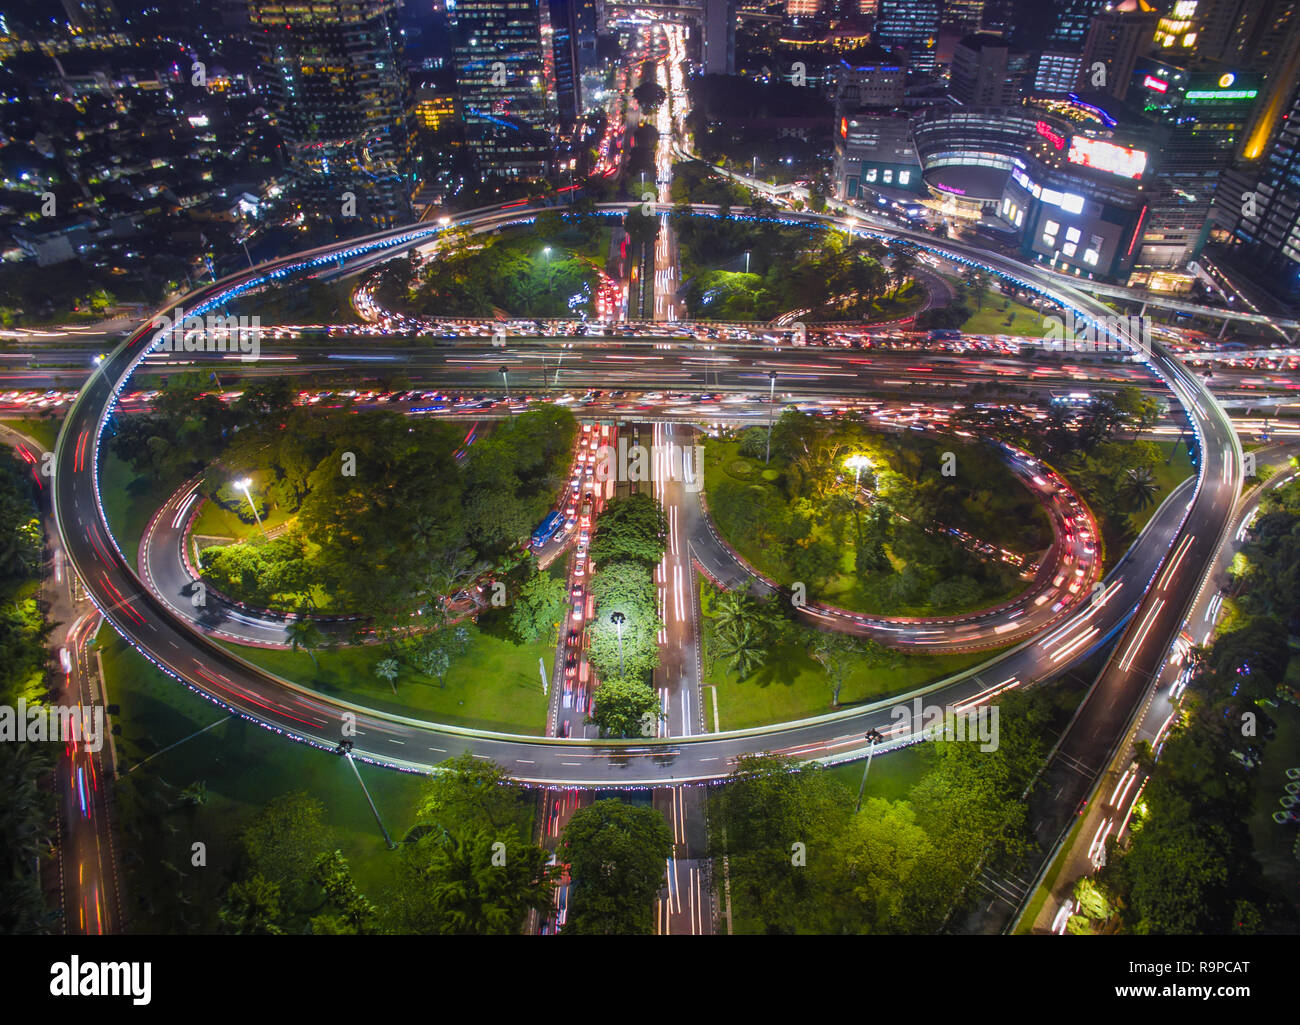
(580, 570)
(578, 610)
(1293, 773)
(571, 665)
(1293, 787)
(1283, 817)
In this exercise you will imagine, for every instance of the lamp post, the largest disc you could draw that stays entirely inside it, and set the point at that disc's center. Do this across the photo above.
(345, 749)
(618, 619)
(771, 405)
(856, 464)
(746, 261)
(873, 737)
(505, 376)
(243, 484)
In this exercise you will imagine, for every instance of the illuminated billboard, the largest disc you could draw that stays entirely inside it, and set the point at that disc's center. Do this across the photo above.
(1054, 137)
(1106, 156)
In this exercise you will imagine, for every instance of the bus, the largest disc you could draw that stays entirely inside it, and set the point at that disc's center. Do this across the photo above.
(554, 520)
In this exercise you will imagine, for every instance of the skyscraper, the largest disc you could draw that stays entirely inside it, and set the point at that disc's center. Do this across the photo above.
(1269, 214)
(1072, 20)
(1204, 110)
(1117, 37)
(497, 53)
(564, 47)
(720, 37)
(912, 25)
(980, 76)
(333, 73)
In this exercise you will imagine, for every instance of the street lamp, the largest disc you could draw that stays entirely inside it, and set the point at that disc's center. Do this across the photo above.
(243, 484)
(345, 749)
(873, 737)
(857, 464)
(746, 261)
(771, 405)
(618, 619)
(505, 376)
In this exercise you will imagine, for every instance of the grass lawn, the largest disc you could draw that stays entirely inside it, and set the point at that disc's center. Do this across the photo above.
(1168, 476)
(725, 467)
(130, 500)
(1275, 845)
(793, 685)
(243, 767)
(495, 685)
(215, 520)
(42, 430)
(1027, 322)
(892, 776)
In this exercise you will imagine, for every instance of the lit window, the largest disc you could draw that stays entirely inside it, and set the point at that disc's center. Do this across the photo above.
(904, 177)
(1072, 234)
(1069, 249)
(889, 177)
(1090, 257)
(1050, 229)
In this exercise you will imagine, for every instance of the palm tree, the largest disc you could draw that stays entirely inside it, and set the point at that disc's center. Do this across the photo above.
(731, 609)
(743, 648)
(473, 894)
(304, 634)
(387, 669)
(1138, 488)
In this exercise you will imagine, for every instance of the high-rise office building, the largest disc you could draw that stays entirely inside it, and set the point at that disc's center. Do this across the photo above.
(964, 15)
(1204, 111)
(912, 25)
(1072, 18)
(1266, 208)
(333, 73)
(867, 77)
(566, 41)
(719, 37)
(1117, 37)
(500, 76)
(980, 75)
(1057, 73)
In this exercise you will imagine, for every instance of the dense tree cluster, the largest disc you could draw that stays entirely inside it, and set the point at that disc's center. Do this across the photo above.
(545, 272)
(465, 867)
(616, 853)
(383, 517)
(26, 807)
(890, 551)
(801, 860)
(629, 542)
(756, 270)
(1190, 865)
(1117, 475)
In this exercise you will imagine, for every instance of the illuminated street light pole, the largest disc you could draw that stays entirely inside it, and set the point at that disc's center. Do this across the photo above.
(505, 376)
(856, 464)
(345, 749)
(618, 619)
(243, 484)
(873, 738)
(771, 405)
